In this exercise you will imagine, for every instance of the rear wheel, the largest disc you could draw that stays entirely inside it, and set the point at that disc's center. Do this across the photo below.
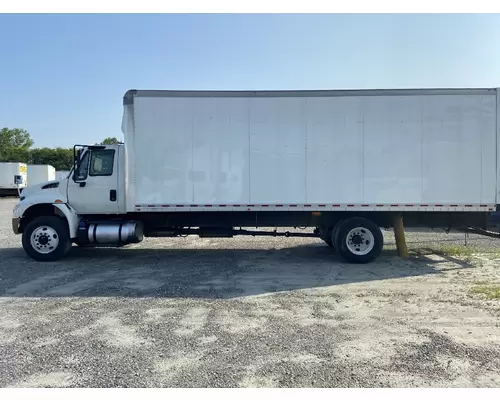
(46, 238)
(335, 234)
(358, 240)
(326, 236)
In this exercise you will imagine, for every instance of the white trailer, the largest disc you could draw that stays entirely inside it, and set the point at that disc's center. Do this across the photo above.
(13, 178)
(40, 173)
(62, 174)
(343, 162)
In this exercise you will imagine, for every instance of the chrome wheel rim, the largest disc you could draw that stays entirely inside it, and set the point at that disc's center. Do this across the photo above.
(360, 241)
(44, 239)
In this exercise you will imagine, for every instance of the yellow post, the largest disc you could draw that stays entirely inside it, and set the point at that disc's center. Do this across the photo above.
(399, 235)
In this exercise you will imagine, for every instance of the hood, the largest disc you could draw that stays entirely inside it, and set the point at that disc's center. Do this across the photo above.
(30, 189)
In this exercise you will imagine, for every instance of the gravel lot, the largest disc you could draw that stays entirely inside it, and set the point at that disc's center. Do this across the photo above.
(249, 312)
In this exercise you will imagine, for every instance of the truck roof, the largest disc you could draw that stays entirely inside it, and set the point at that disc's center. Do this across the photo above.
(128, 98)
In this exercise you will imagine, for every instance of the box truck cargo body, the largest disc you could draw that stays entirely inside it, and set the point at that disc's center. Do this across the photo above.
(307, 150)
(13, 178)
(343, 162)
(40, 173)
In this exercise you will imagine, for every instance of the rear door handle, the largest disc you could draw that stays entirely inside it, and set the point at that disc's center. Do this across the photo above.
(112, 195)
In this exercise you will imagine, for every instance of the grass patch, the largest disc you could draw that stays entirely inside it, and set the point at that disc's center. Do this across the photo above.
(455, 251)
(491, 292)
(446, 250)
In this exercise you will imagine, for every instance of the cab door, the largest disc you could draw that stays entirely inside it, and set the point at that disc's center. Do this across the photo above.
(93, 188)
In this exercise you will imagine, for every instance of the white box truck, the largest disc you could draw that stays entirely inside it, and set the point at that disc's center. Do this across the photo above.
(213, 163)
(62, 174)
(13, 178)
(40, 173)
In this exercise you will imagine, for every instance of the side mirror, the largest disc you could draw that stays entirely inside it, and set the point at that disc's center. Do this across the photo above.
(77, 154)
(76, 169)
(80, 158)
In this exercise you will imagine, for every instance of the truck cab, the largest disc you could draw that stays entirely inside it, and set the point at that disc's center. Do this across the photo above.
(92, 187)
(50, 214)
(96, 184)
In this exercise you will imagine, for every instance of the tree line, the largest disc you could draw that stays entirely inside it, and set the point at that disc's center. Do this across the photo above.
(16, 145)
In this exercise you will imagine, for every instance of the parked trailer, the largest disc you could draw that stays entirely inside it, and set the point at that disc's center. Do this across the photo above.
(215, 163)
(13, 178)
(40, 173)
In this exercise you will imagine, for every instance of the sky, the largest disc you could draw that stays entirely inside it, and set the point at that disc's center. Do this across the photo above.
(63, 76)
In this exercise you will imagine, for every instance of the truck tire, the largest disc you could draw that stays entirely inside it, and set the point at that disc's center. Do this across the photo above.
(329, 234)
(358, 240)
(329, 242)
(335, 233)
(46, 238)
(326, 236)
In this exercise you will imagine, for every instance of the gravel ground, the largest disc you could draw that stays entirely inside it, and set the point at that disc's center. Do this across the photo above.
(249, 312)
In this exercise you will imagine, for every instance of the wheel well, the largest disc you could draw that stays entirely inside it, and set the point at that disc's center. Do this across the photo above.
(39, 210)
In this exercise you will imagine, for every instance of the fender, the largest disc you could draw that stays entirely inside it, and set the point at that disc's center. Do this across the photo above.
(53, 194)
(62, 208)
(71, 217)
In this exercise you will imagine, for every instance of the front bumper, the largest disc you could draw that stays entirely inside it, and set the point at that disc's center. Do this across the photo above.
(15, 225)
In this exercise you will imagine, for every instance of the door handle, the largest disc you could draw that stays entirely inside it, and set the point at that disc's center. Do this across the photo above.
(112, 195)
(82, 184)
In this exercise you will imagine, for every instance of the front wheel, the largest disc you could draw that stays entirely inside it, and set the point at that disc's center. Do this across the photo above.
(358, 240)
(46, 238)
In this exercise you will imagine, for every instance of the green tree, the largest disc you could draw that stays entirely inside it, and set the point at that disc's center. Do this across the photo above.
(110, 140)
(61, 159)
(14, 145)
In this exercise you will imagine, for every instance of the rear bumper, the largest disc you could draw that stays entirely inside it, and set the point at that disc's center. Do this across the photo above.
(15, 225)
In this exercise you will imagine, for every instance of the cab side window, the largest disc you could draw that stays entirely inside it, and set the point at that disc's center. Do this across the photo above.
(101, 162)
